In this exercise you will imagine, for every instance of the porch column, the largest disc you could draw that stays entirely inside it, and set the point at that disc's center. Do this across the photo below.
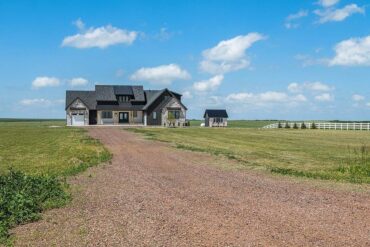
(145, 119)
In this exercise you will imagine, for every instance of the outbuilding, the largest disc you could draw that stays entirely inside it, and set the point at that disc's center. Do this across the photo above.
(215, 118)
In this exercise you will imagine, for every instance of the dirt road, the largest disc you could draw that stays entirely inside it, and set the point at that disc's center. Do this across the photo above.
(154, 195)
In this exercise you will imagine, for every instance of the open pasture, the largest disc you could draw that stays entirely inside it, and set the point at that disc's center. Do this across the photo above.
(320, 154)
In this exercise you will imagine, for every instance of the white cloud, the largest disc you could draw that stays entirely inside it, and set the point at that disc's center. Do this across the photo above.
(40, 102)
(324, 97)
(208, 85)
(327, 3)
(352, 52)
(289, 21)
(100, 37)
(187, 95)
(357, 97)
(44, 81)
(79, 24)
(264, 98)
(78, 81)
(229, 55)
(330, 14)
(162, 75)
(310, 86)
(368, 104)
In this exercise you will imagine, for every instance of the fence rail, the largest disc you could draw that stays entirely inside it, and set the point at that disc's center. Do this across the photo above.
(321, 125)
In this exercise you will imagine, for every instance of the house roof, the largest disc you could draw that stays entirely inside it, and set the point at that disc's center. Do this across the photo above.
(216, 113)
(87, 97)
(141, 99)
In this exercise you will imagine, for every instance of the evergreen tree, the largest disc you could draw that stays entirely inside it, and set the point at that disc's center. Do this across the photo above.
(295, 126)
(303, 126)
(287, 125)
(313, 126)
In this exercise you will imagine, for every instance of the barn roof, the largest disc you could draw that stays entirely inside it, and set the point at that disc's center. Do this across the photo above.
(216, 113)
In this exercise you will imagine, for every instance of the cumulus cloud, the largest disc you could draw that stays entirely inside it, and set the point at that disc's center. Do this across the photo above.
(357, 97)
(100, 37)
(40, 102)
(263, 98)
(45, 81)
(187, 95)
(208, 85)
(162, 75)
(327, 3)
(78, 81)
(309, 86)
(336, 15)
(352, 52)
(289, 21)
(229, 55)
(324, 97)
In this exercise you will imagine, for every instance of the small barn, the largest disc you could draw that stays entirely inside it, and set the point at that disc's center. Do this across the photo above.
(215, 118)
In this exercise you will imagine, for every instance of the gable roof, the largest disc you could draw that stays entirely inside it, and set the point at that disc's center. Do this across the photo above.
(152, 95)
(87, 97)
(216, 113)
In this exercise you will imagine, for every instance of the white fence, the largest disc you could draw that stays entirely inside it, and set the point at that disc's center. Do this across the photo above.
(322, 125)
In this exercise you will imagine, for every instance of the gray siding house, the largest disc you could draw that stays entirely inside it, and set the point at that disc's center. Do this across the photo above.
(215, 118)
(124, 105)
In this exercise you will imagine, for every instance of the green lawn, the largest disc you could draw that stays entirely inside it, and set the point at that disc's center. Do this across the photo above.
(34, 147)
(239, 123)
(333, 155)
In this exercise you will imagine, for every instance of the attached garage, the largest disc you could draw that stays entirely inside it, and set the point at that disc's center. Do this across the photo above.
(78, 119)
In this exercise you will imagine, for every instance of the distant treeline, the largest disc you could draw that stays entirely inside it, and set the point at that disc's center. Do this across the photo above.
(29, 120)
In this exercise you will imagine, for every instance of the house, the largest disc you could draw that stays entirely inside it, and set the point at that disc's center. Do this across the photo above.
(215, 118)
(124, 105)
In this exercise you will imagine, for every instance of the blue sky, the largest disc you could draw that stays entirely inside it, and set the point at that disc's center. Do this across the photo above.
(258, 59)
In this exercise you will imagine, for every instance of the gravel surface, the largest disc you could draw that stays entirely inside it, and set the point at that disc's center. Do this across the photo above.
(154, 195)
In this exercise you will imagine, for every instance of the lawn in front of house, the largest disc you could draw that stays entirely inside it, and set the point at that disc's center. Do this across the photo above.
(47, 147)
(320, 154)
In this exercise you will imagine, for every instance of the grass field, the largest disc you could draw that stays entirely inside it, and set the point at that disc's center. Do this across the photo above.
(239, 123)
(35, 147)
(332, 155)
(39, 153)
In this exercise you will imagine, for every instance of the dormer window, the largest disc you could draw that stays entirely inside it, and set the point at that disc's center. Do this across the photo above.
(123, 98)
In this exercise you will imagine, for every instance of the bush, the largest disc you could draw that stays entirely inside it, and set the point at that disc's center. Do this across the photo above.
(23, 197)
(303, 126)
(279, 125)
(295, 126)
(313, 126)
(287, 125)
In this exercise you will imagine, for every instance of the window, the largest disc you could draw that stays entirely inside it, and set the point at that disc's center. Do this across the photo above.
(218, 120)
(134, 114)
(106, 114)
(173, 114)
(123, 98)
(154, 115)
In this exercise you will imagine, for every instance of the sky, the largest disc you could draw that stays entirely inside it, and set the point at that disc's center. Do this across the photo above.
(266, 59)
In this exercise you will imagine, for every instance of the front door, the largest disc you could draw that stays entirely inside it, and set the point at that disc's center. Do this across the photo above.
(123, 117)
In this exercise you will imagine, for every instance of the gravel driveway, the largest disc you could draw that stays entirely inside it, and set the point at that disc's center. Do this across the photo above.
(154, 195)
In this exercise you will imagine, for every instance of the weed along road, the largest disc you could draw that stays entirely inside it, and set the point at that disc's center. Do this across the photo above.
(154, 195)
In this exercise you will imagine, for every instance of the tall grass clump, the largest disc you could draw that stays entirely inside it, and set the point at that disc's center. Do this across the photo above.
(357, 164)
(24, 197)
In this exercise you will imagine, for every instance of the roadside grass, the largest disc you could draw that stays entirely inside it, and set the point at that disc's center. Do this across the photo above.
(317, 154)
(35, 158)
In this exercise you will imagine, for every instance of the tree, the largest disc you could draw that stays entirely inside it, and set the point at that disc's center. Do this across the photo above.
(279, 125)
(295, 126)
(287, 125)
(313, 126)
(303, 126)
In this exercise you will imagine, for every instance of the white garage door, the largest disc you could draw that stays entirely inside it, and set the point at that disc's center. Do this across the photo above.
(78, 120)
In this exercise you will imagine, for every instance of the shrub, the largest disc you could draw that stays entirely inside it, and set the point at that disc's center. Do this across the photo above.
(303, 126)
(279, 125)
(295, 126)
(287, 125)
(313, 126)
(23, 197)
